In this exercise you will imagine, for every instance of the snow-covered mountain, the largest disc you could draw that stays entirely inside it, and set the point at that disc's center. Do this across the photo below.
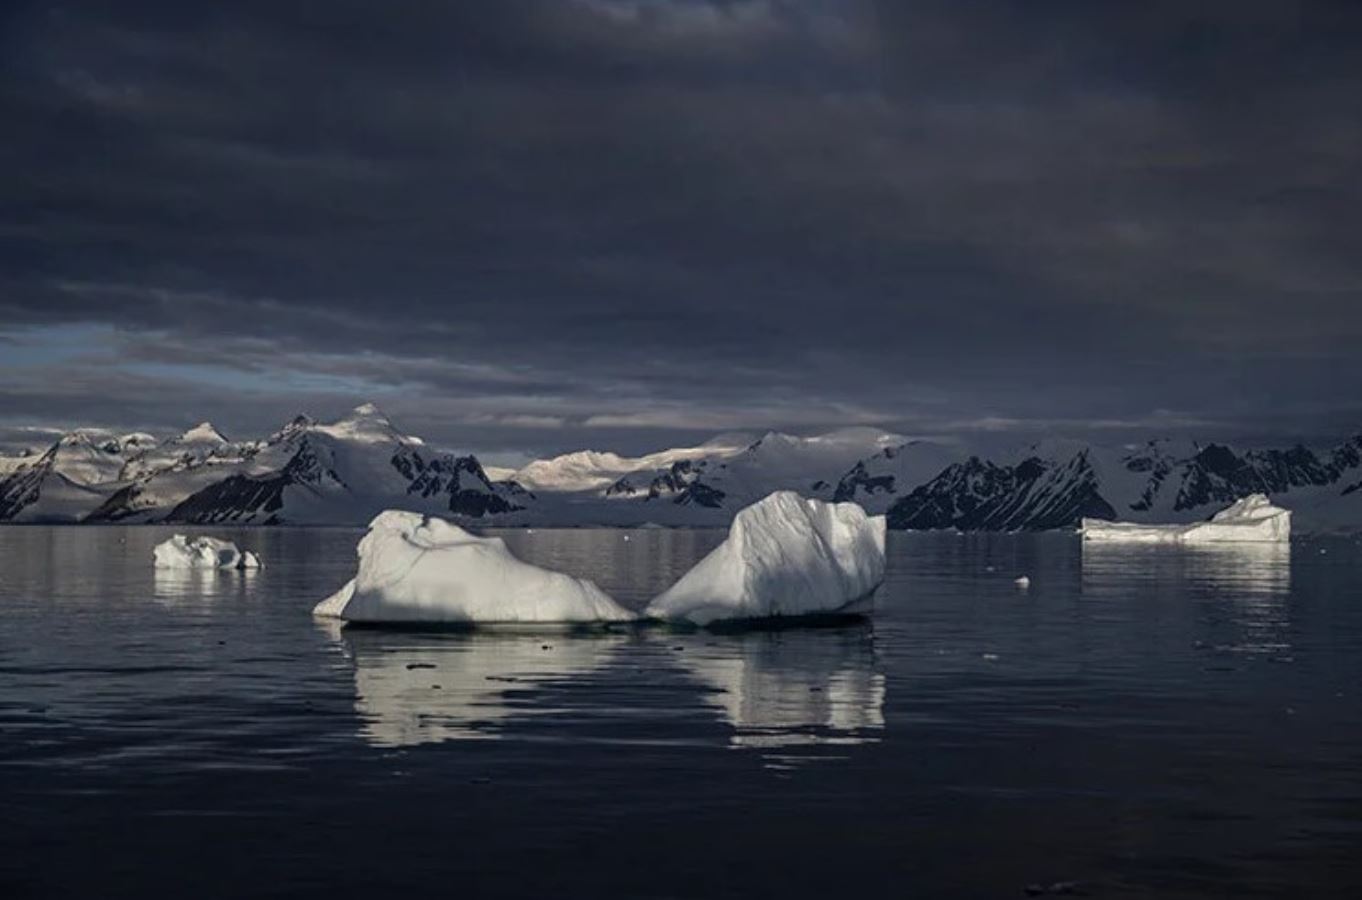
(343, 472)
(703, 485)
(877, 481)
(1053, 485)
(339, 472)
(589, 470)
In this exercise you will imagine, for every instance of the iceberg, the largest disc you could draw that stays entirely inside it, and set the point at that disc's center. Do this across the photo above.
(419, 569)
(1252, 519)
(181, 552)
(784, 556)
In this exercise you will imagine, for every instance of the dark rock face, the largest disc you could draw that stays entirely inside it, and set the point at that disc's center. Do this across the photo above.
(1218, 475)
(234, 499)
(24, 487)
(860, 479)
(259, 499)
(1158, 467)
(470, 491)
(681, 481)
(1282, 470)
(700, 494)
(977, 495)
(121, 504)
(476, 504)
(675, 480)
(622, 488)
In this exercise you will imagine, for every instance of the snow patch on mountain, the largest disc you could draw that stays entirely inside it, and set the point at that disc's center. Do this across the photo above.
(594, 470)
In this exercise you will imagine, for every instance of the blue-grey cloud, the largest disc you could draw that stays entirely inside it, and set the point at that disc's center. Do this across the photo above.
(532, 224)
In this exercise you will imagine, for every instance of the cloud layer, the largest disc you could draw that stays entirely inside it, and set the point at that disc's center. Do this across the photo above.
(530, 225)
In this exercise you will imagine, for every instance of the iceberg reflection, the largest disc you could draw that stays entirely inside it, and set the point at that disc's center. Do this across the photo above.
(1242, 590)
(795, 688)
(1250, 569)
(420, 689)
(177, 585)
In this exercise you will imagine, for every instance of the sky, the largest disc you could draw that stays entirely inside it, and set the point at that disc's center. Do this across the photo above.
(530, 226)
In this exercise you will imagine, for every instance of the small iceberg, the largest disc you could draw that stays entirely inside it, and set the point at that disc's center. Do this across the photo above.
(1250, 520)
(181, 552)
(784, 556)
(418, 569)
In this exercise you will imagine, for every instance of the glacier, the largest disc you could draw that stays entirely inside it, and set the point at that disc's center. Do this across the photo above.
(420, 569)
(180, 552)
(1250, 520)
(784, 556)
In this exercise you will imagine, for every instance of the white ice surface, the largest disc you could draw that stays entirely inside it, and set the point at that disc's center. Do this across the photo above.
(1251, 519)
(181, 552)
(784, 556)
(422, 569)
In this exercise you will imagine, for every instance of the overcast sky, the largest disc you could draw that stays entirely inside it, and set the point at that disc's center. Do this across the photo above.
(527, 226)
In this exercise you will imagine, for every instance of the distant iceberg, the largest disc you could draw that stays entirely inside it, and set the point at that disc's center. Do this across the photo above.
(181, 552)
(421, 569)
(784, 556)
(1252, 519)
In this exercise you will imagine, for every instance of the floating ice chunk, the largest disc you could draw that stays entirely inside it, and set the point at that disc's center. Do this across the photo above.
(181, 552)
(784, 556)
(333, 606)
(421, 569)
(1251, 519)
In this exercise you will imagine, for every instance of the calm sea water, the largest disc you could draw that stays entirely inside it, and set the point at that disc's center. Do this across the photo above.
(1148, 722)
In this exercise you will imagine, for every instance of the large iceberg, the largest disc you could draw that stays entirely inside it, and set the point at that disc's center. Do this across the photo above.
(1252, 519)
(784, 556)
(415, 569)
(181, 552)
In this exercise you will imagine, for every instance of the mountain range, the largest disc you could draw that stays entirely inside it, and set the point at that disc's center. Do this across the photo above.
(344, 472)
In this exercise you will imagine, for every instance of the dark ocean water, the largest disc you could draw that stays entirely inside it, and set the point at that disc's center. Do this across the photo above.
(1152, 722)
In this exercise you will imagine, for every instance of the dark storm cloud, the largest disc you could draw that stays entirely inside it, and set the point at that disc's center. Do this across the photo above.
(536, 224)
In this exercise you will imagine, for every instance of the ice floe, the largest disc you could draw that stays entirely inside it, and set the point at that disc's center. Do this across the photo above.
(1252, 519)
(181, 552)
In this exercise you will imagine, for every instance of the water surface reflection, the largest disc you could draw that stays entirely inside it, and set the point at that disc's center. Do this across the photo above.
(1250, 569)
(1241, 590)
(779, 690)
(426, 688)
